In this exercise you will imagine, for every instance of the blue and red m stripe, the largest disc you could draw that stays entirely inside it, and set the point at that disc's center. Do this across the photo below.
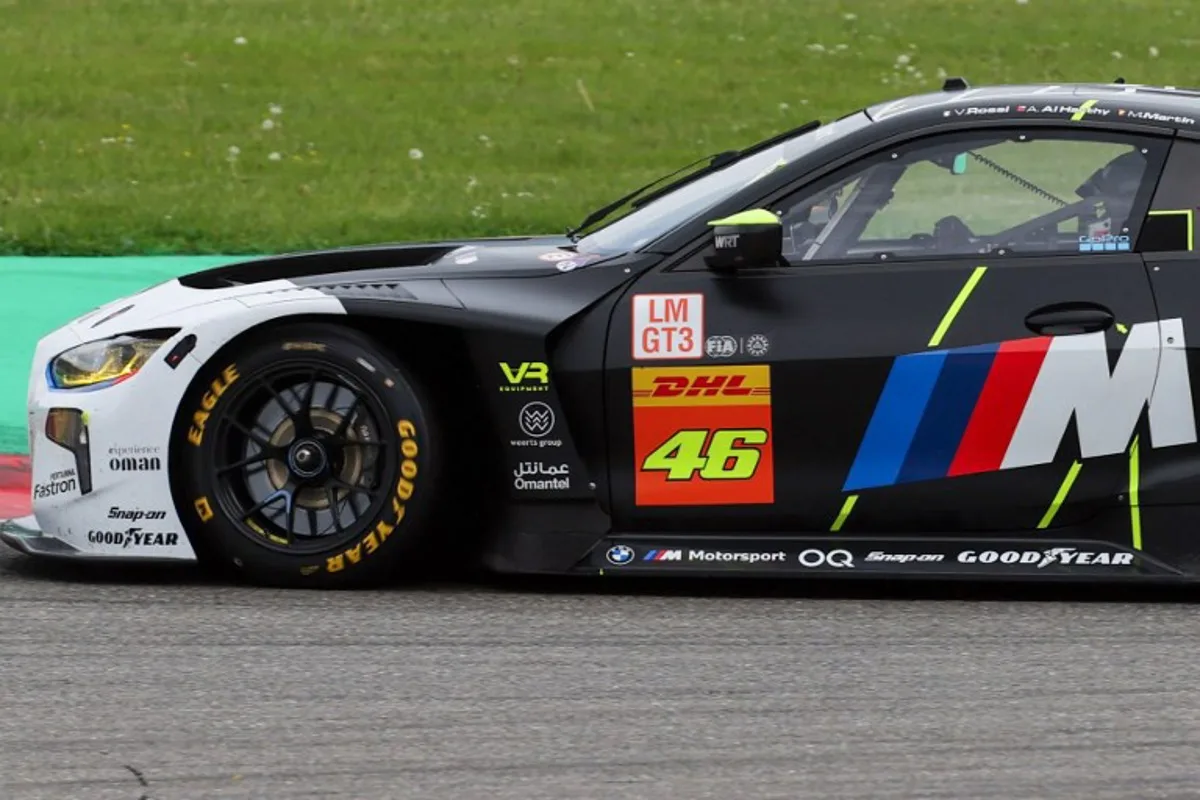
(944, 413)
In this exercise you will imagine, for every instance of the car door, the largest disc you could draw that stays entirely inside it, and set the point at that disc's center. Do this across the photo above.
(958, 341)
(1168, 476)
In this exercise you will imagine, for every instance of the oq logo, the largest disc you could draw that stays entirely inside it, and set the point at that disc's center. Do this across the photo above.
(838, 559)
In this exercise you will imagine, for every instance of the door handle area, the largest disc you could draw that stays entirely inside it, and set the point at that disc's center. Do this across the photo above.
(1070, 319)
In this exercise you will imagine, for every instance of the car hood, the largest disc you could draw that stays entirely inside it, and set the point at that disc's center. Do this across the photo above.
(524, 256)
(301, 278)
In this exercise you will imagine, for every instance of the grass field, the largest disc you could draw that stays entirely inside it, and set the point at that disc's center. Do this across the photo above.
(202, 126)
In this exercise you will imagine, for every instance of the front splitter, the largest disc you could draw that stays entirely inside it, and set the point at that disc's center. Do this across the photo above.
(24, 535)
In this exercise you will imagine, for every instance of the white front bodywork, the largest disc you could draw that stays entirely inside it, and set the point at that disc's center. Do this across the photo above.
(134, 418)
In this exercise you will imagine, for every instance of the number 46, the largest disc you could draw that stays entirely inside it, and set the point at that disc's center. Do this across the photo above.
(726, 456)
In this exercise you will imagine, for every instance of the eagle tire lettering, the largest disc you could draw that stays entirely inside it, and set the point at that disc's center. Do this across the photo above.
(208, 403)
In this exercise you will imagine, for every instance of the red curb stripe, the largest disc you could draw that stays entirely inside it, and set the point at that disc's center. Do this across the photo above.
(15, 484)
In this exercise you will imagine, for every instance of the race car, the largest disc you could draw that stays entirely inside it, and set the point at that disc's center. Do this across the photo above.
(942, 336)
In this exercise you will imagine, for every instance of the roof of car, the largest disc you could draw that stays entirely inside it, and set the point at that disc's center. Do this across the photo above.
(1157, 106)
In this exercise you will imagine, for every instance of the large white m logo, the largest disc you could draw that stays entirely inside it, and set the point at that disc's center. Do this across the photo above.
(1075, 380)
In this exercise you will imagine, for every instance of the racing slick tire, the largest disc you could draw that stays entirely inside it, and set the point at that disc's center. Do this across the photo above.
(305, 457)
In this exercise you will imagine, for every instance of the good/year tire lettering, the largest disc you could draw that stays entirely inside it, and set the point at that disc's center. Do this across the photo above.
(724, 456)
(404, 491)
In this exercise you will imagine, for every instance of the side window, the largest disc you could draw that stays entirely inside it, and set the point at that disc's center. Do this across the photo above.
(1012, 192)
(1170, 225)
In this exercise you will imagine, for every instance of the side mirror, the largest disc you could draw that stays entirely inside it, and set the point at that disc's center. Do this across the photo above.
(748, 239)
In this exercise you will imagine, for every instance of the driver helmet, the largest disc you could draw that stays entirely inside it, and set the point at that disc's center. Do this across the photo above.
(1112, 188)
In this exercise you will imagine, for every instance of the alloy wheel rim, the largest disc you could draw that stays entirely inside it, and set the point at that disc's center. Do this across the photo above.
(301, 458)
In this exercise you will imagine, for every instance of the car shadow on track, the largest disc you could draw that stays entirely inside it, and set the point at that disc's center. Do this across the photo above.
(943, 589)
(475, 579)
(99, 573)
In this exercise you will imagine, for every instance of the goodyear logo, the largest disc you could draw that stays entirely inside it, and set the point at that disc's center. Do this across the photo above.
(702, 386)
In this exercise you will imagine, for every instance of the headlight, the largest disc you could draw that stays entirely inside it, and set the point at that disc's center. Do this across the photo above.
(106, 362)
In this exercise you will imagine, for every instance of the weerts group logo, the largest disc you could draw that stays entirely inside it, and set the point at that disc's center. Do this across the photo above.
(536, 420)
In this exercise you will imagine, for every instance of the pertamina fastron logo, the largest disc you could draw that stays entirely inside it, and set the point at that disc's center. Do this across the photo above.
(668, 326)
(60, 482)
(702, 435)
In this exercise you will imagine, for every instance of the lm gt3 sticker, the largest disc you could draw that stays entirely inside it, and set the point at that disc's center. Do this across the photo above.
(944, 413)
(668, 326)
(702, 435)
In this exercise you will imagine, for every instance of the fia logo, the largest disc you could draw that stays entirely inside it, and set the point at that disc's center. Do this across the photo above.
(724, 346)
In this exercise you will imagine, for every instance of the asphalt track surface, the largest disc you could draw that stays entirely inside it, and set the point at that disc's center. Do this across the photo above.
(571, 690)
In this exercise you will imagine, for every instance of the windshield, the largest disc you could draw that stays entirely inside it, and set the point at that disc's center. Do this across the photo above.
(658, 217)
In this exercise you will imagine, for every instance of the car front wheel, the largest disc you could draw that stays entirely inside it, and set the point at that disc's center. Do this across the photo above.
(306, 457)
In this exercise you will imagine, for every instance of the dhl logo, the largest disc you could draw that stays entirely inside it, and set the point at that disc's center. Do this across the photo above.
(707, 385)
(702, 386)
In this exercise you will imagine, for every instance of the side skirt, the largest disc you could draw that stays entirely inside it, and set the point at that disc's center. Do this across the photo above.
(867, 556)
(535, 540)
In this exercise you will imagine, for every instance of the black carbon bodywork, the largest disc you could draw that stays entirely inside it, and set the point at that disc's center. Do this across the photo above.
(568, 458)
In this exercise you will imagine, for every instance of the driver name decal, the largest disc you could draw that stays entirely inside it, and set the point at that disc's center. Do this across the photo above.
(668, 326)
(945, 413)
(702, 435)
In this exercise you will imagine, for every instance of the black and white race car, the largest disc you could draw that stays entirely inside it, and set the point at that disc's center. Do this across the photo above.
(942, 336)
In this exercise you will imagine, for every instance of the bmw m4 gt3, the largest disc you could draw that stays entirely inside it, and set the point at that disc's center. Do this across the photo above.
(947, 335)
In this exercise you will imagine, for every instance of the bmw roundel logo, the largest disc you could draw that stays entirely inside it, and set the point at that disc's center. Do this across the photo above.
(619, 555)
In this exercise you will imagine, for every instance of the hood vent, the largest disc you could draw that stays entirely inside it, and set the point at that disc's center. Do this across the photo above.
(302, 265)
